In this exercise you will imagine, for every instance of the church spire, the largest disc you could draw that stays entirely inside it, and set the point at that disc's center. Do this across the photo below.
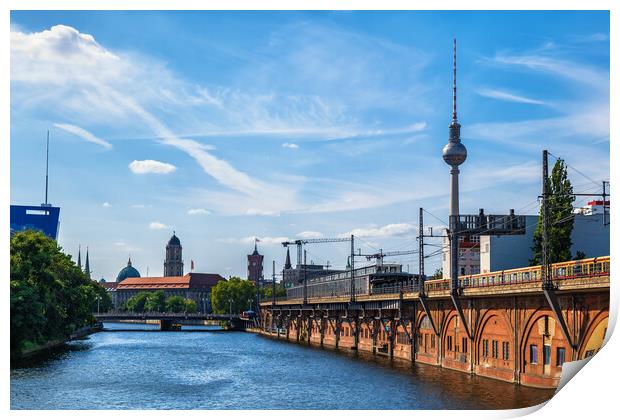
(79, 262)
(287, 264)
(129, 261)
(87, 265)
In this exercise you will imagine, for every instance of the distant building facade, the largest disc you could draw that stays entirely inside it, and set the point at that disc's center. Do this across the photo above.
(469, 255)
(194, 286)
(173, 264)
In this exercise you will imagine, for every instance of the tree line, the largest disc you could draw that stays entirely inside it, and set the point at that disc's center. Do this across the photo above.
(157, 302)
(50, 295)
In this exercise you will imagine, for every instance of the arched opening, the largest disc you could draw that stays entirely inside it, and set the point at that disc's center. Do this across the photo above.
(594, 339)
(455, 341)
(427, 340)
(495, 346)
(544, 350)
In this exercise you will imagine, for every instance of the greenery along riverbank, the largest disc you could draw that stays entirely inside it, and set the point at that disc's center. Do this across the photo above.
(51, 298)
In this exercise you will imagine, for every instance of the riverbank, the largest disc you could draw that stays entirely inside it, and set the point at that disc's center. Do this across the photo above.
(37, 350)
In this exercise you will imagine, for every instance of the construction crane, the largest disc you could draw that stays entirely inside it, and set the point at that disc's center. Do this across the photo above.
(300, 243)
(379, 255)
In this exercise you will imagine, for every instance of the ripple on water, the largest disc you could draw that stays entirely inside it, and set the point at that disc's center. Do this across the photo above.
(232, 370)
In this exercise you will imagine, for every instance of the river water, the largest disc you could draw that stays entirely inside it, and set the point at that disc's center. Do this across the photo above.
(209, 369)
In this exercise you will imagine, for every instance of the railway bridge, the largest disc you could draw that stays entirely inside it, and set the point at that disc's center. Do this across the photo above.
(169, 320)
(507, 325)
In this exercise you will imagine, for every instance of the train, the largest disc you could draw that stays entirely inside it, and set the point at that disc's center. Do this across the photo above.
(560, 271)
(390, 279)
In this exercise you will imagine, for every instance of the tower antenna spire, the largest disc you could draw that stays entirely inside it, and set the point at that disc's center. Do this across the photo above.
(454, 85)
(47, 159)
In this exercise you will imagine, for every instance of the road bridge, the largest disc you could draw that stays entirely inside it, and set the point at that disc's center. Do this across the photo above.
(514, 333)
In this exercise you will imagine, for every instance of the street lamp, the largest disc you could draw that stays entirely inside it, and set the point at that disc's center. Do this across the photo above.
(98, 300)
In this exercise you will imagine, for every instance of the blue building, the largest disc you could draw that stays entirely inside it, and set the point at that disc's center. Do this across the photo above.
(43, 218)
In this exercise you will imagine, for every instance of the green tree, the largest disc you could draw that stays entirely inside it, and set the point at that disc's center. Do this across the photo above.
(190, 306)
(438, 274)
(561, 218)
(155, 302)
(232, 295)
(50, 296)
(137, 302)
(175, 304)
(267, 291)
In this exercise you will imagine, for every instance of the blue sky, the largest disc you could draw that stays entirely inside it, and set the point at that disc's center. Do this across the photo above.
(226, 126)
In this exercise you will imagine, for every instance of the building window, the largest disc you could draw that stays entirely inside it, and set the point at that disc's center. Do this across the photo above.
(464, 344)
(505, 350)
(533, 354)
(432, 341)
(546, 355)
(495, 349)
(449, 343)
(561, 356)
(485, 348)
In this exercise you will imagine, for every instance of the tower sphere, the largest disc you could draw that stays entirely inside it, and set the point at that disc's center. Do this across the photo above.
(454, 153)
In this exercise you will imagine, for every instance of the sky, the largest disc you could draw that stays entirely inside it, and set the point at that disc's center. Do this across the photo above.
(230, 126)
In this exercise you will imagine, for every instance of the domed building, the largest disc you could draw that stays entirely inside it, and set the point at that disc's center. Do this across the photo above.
(194, 286)
(126, 272)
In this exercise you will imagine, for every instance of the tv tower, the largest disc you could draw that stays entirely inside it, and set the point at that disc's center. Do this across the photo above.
(454, 154)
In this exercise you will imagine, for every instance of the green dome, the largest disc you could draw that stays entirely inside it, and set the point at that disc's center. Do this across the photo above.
(126, 272)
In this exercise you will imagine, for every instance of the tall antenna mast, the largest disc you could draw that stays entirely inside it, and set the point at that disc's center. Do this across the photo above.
(454, 85)
(47, 159)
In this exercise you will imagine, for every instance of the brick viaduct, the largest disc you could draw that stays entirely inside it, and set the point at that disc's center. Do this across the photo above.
(515, 335)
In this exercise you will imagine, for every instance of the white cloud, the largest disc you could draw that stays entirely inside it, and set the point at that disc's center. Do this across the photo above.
(309, 234)
(194, 212)
(507, 96)
(125, 247)
(394, 229)
(151, 167)
(80, 132)
(262, 212)
(158, 226)
(106, 204)
(290, 145)
(140, 206)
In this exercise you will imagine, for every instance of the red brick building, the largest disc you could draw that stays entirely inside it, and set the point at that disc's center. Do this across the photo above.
(255, 266)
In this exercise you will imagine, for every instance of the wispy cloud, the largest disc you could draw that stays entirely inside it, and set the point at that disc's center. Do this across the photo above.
(158, 226)
(393, 229)
(195, 212)
(80, 132)
(106, 204)
(309, 234)
(507, 96)
(290, 145)
(125, 247)
(148, 166)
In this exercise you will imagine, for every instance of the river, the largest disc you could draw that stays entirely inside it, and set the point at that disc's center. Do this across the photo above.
(209, 369)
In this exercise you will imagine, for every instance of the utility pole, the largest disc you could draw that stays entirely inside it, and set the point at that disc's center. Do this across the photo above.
(305, 280)
(421, 251)
(604, 204)
(547, 280)
(352, 270)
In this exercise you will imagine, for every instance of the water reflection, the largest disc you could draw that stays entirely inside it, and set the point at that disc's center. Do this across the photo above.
(233, 370)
